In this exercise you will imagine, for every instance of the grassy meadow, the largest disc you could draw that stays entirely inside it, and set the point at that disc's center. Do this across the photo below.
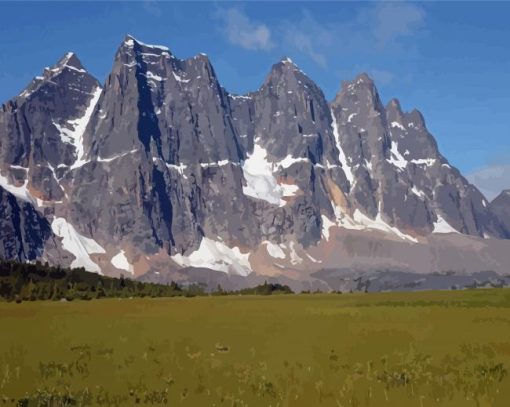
(389, 349)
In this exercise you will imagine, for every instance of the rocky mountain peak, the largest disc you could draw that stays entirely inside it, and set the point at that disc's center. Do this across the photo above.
(68, 72)
(361, 82)
(70, 60)
(286, 70)
(415, 117)
(68, 63)
(157, 61)
(360, 88)
(393, 106)
(133, 53)
(359, 98)
(288, 64)
(394, 113)
(131, 42)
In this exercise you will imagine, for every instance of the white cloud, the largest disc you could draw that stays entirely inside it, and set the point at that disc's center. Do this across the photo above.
(312, 42)
(380, 76)
(375, 28)
(152, 7)
(240, 30)
(491, 180)
(302, 42)
(393, 21)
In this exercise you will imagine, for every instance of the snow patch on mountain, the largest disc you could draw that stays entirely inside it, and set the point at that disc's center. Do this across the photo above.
(131, 42)
(364, 222)
(217, 256)
(179, 78)
(429, 162)
(109, 159)
(288, 161)
(397, 125)
(121, 262)
(313, 259)
(396, 158)
(21, 192)
(341, 155)
(289, 190)
(418, 192)
(78, 245)
(79, 125)
(294, 257)
(179, 168)
(66, 135)
(260, 180)
(442, 226)
(326, 225)
(274, 250)
(220, 163)
(150, 75)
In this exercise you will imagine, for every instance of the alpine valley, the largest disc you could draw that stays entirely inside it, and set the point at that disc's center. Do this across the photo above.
(161, 174)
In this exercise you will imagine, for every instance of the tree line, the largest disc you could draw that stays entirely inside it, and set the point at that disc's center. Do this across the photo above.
(261, 289)
(38, 281)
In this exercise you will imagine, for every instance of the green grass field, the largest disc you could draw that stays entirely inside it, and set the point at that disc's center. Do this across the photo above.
(389, 349)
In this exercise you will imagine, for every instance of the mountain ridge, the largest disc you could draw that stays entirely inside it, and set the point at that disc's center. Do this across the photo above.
(165, 168)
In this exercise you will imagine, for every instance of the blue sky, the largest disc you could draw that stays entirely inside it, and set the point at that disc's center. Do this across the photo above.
(449, 60)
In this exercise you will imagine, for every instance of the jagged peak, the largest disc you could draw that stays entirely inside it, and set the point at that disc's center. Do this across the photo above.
(394, 104)
(416, 117)
(133, 52)
(287, 60)
(70, 61)
(362, 81)
(362, 84)
(286, 67)
(287, 63)
(394, 111)
(130, 41)
(363, 78)
(133, 48)
(201, 57)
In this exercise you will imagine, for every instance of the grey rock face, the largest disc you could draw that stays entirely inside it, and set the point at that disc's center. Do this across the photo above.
(290, 118)
(162, 142)
(39, 129)
(24, 230)
(161, 157)
(500, 206)
(398, 171)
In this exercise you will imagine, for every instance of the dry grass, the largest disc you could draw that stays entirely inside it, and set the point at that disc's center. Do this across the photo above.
(392, 349)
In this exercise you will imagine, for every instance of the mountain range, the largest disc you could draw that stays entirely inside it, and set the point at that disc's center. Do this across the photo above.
(161, 174)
